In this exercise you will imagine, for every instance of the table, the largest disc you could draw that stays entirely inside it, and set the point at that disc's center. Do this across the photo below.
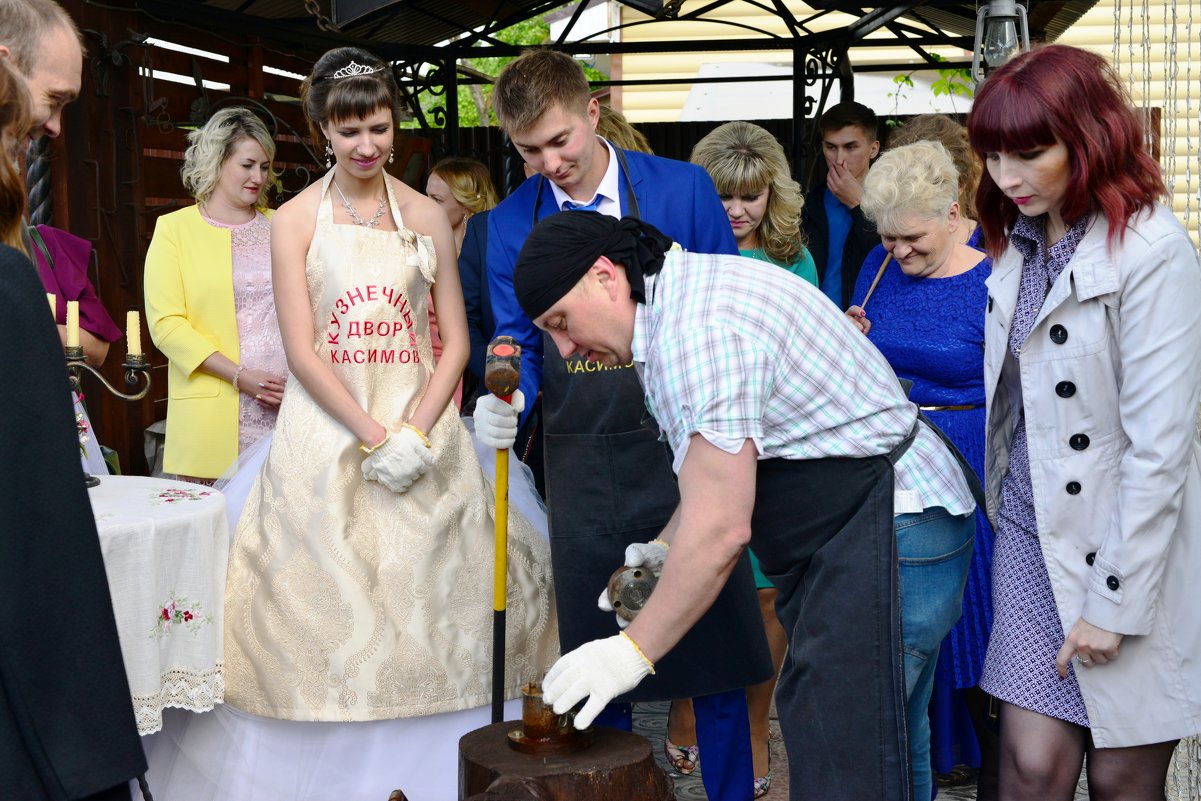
(165, 546)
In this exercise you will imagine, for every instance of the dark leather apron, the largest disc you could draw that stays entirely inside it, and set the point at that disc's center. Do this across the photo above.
(609, 483)
(823, 532)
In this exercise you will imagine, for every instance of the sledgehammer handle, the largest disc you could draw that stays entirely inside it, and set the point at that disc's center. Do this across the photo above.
(502, 375)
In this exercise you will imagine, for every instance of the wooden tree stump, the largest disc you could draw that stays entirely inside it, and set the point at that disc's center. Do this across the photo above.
(617, 765)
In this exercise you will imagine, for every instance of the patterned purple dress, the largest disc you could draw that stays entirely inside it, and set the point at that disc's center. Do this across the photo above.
(1027, 632)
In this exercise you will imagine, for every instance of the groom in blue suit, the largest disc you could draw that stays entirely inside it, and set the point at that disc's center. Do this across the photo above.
(600, 442)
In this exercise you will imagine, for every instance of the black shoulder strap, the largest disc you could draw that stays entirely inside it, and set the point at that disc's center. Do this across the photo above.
(632, 209)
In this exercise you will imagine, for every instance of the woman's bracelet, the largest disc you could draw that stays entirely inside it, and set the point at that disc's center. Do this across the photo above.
(638, 651)
(237, 373)
(370, 450)
(418, 432)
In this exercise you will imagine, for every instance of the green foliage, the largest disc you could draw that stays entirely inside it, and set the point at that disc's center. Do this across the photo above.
(950, 82)
(953, 82)
(475, 107)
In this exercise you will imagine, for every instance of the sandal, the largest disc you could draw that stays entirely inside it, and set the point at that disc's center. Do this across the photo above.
(763, 783)
(683, 758)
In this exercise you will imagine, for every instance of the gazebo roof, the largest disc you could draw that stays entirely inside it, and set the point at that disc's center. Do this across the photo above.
(407, 30)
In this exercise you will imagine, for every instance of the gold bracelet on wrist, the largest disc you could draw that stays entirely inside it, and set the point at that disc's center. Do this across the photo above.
(638, 651)
(418, 432)
(370, 450)
(237, 373)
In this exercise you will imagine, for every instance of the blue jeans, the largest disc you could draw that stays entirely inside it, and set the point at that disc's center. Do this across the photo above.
(934, 549)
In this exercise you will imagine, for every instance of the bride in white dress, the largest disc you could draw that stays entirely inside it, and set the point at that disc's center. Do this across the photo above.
(358, 604)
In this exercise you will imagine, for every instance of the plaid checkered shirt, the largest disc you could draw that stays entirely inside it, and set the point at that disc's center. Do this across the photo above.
(731, 349)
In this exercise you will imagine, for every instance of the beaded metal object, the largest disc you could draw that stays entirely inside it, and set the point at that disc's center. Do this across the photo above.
(355, 217)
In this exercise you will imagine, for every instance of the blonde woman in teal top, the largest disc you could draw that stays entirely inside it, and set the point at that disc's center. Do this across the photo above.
(763, 204)
(802, 267)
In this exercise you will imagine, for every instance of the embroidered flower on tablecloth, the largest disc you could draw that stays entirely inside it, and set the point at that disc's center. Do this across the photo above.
(179, 611)
(177, 495)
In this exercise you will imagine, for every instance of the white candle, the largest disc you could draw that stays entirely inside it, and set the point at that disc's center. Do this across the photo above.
(72, 324)
(133, 333)
(53, 305)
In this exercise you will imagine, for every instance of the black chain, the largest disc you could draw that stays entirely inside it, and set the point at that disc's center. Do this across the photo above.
(323, 22)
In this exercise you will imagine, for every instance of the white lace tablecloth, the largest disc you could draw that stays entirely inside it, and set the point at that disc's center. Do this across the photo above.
(165, 546)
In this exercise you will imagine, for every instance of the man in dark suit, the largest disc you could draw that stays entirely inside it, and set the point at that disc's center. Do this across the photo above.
(42, 42)
(67, 728)
(838, 234)
(600, 442)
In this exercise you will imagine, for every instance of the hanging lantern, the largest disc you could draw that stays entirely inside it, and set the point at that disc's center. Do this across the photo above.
(1001, 30)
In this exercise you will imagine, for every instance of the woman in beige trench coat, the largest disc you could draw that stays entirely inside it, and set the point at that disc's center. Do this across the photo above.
(1093, 380)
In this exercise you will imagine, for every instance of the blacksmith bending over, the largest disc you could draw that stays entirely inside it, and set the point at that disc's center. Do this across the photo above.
(789, 431)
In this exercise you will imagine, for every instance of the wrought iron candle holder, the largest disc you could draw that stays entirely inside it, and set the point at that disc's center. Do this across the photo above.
(136, 369)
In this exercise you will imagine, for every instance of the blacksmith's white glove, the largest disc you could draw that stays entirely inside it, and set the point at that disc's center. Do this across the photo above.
(650, 555)
(600, 671)
(400, 461)
(605, 606)
(496, 421)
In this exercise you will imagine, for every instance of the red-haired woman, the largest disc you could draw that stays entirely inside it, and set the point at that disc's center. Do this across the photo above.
(1093, 379)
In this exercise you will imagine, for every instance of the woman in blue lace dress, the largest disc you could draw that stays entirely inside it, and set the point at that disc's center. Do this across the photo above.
(962, 732)
(926, 315)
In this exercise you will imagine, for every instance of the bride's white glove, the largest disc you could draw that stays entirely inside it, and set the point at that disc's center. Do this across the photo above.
(600, 671)
(399, 461)
(496, 421)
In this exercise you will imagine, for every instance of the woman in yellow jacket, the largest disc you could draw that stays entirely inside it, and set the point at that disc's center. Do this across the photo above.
(209, 303)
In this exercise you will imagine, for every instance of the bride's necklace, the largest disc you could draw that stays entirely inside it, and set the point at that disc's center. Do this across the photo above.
(355, 217)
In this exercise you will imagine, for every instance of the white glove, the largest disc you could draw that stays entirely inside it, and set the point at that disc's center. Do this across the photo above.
(496, 421)
(650, 555)
(605, 606)
(400, 461)
(600, 671)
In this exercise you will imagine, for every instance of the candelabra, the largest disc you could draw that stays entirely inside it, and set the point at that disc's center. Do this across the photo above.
(136, 368)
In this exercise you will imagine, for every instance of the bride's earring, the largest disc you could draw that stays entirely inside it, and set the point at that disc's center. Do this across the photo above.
(329, 154)
(391, 155)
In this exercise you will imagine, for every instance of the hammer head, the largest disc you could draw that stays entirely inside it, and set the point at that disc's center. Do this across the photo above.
(502, 366)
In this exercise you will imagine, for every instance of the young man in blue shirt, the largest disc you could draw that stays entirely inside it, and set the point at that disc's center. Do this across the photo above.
(839, 236)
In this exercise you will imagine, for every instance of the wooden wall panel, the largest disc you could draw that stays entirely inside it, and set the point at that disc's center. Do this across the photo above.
(115, 169)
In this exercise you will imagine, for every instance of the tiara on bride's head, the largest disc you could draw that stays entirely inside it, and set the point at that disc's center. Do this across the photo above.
(351, 70)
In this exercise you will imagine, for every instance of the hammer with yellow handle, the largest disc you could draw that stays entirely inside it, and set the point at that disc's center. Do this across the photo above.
(502, 373)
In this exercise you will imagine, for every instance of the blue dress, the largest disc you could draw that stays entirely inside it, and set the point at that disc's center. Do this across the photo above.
(931, 330)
